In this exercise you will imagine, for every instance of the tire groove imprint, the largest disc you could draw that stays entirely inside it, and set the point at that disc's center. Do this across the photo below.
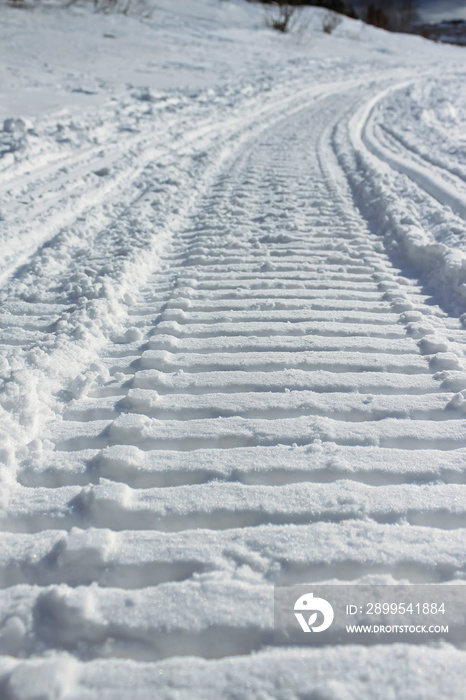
(277, 356)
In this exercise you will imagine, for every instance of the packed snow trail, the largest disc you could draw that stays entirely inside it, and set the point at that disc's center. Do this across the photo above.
(281, 406)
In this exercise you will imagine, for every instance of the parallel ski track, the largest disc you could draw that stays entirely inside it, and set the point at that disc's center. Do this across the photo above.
(279, 361)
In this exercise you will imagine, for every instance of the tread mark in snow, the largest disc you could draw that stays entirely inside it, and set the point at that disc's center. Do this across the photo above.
(274, 387)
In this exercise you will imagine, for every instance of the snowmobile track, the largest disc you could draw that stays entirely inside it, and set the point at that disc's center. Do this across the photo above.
(278, 383)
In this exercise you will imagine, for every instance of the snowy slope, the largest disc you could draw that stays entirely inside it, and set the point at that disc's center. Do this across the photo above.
(232, 347)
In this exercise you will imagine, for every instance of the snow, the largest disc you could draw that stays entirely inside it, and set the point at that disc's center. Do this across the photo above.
(232, 347)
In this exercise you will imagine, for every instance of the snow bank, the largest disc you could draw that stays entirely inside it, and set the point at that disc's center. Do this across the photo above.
(407, 169)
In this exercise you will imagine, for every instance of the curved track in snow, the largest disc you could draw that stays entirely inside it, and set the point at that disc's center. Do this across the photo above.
(255, 396)
(449, 189)
(411, 192)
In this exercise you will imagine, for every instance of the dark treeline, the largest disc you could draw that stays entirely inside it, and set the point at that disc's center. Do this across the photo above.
(394, 15)
(343, 8)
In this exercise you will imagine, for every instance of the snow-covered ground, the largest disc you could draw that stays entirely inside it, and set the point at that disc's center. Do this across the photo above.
(232, 336)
